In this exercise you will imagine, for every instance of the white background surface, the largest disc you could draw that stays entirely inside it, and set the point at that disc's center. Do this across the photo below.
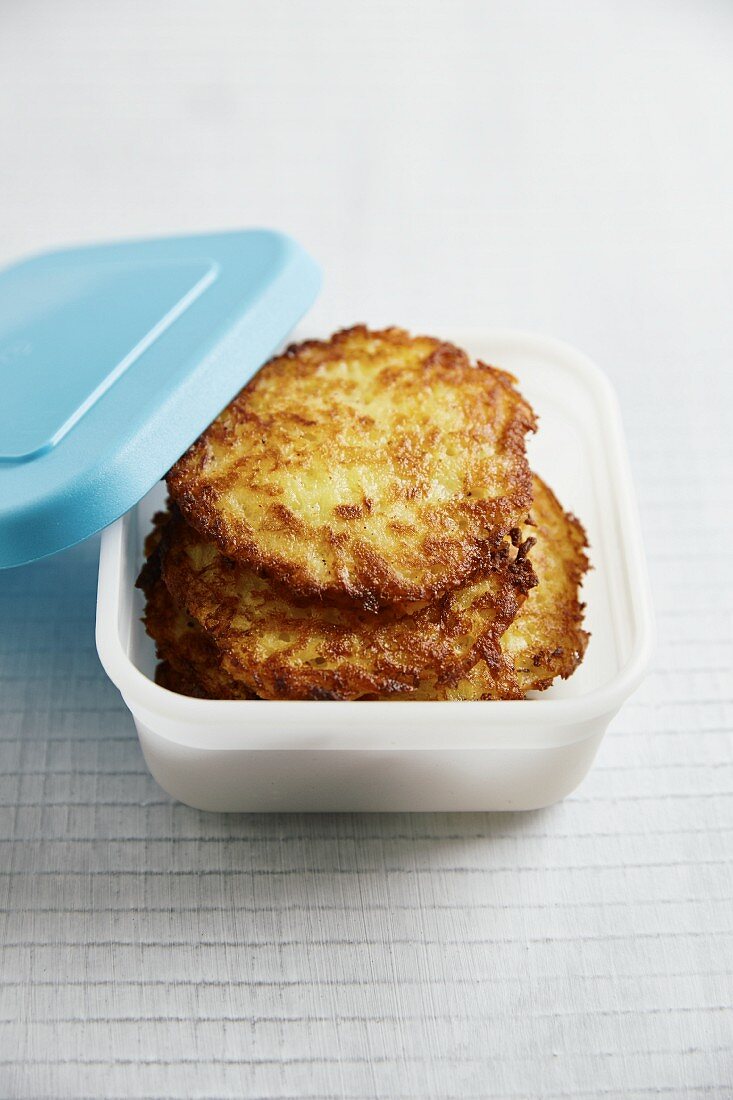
(561, 167)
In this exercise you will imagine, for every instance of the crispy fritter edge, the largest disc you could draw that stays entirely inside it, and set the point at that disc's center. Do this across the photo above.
(197, 504)
(562, 661)
(278, 679)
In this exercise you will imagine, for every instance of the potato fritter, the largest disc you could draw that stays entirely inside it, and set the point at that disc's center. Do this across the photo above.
(285, 647)
(190, 662)
(547, 639)
(184, 647)
(544, 641)
(373, 467)
(183, 683)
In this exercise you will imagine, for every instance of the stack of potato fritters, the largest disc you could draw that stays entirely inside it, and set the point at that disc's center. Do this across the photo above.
(361, 523)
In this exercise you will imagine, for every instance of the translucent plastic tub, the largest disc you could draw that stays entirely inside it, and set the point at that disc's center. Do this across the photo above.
(267, 756)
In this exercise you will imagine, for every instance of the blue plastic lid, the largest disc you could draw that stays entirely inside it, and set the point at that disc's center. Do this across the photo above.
(114, 358)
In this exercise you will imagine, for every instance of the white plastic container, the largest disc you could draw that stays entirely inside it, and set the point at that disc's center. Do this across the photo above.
(303, 756)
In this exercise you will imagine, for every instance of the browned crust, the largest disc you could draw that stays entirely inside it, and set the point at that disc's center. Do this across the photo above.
(181, 682)
(283, 647)
(189, 659)
(363, 551)
(547, 638)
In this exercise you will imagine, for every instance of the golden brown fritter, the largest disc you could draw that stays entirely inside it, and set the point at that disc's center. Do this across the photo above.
(374, 467)
(190, 662)
(182, 645)
(183, 683)
(285, 647)
(547, 639)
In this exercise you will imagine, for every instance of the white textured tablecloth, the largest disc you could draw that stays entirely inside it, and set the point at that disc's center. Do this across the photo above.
(562, 167)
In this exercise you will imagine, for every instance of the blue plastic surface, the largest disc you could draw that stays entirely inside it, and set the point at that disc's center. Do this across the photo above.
(114, 358)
